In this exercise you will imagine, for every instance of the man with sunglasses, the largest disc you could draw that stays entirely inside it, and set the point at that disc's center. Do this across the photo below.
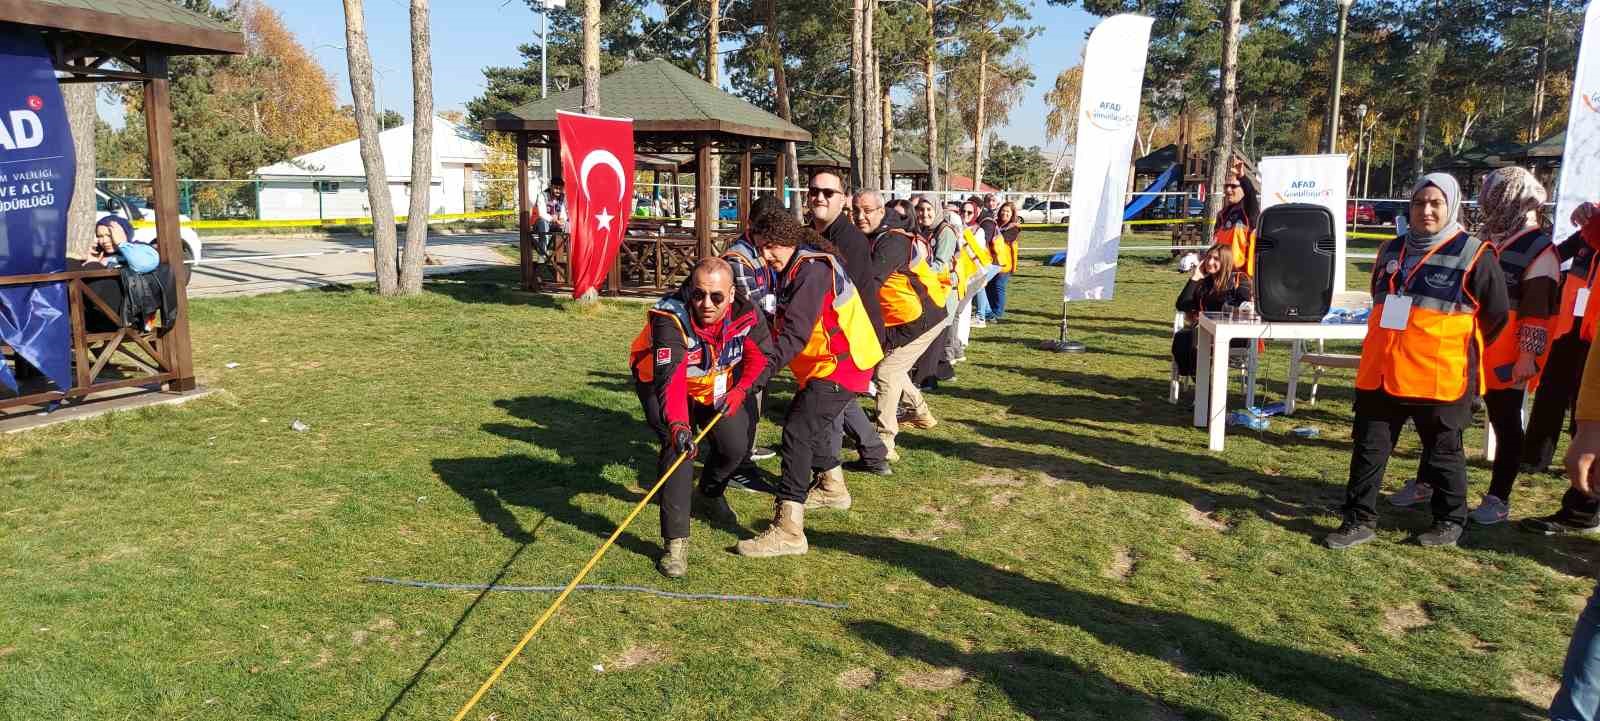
(826, 200)
(704, 350)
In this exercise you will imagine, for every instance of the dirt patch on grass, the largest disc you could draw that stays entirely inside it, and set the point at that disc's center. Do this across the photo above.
(1535, 688)
(7, 651)
(1184, 555)
(940, 526)
(1202, 512)
(322, 659)
(1122, 565)
(938, 679)
(358, 637)
(1403, 619)
(857, 678)
(636, 656)
(1003, 498)
(991, 479)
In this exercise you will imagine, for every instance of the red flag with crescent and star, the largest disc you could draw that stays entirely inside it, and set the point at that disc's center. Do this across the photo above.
(597, 162)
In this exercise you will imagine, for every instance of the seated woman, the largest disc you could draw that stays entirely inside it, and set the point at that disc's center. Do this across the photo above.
(1216, 282)
(141, 268)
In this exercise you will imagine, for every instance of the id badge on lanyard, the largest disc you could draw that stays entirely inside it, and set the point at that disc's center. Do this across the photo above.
(1397, 307)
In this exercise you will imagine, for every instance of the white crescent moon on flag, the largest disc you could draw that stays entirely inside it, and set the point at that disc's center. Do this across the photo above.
(600, 156)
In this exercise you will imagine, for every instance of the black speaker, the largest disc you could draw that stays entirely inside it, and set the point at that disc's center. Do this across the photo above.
(1294, 262)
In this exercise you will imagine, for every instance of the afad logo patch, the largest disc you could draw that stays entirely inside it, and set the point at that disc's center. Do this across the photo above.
(1591, 101)
(663, 356)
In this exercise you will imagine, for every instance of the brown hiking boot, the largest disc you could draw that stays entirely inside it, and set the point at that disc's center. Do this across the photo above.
(830, 491)
(924, 422)
(785, 537)
(714, 509)
(675, 562)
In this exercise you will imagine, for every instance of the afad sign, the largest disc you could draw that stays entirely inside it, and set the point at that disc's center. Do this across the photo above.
(1304, 191)
(1107, 115)
(24, 129)
(1591, 101)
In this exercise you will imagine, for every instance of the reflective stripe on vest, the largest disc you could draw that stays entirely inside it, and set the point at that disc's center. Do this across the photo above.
(1579, 276)
(971, 260)
(1432, 358)
(843, 333)
(1500, 357)
(908, 292)
(1517, 255)
(705, 363)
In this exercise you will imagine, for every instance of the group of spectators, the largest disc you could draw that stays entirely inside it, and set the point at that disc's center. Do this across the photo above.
(866, 297)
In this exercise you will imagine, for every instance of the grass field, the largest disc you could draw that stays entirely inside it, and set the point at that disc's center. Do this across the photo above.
(1060, 547)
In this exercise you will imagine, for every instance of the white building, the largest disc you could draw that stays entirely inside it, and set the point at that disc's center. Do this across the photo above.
(331, 183)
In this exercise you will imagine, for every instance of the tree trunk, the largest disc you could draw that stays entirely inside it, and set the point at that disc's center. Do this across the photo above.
(81, 115)
(872, 95)
(857, 97)
(382, 205)
(930, 97)
(977, 137)
(1417, 161)
(714, 76)
(886, 150)
(781, 80)
(591, 56)
(421, 150)
(1222, 150)
(1055, 172)
(1535, 129)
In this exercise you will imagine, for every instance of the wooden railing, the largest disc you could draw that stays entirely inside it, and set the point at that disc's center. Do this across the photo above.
(654, 258)
(145, 353)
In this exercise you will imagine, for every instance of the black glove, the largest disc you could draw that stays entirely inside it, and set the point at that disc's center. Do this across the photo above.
(683, 440)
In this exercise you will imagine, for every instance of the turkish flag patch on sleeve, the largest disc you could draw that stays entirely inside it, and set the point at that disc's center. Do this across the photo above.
(663, 356)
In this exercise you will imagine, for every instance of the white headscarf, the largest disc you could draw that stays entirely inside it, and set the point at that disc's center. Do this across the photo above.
(1452, 202)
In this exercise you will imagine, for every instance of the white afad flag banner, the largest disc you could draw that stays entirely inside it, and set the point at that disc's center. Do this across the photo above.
(1113, 74)
(1315, 179)
(1580, 159)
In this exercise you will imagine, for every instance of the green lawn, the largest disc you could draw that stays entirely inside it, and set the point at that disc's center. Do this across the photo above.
(1061, 546)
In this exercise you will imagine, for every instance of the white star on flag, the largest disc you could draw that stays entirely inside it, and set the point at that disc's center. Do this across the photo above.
(604, 219)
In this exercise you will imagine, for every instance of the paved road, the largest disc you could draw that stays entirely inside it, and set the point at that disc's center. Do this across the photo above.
(341, 261)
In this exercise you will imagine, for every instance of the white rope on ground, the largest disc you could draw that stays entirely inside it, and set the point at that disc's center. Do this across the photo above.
(607, 588)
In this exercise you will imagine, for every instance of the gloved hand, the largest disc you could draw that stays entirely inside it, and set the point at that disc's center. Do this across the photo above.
(683, 440)
(732, 402)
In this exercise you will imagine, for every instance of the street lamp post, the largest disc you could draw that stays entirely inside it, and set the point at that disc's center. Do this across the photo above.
(545, 6)
(1361, 129)
(1332, 141)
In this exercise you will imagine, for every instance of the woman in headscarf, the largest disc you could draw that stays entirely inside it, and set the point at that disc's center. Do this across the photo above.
(1236, 222)
(1436, 291)
(1008, 229)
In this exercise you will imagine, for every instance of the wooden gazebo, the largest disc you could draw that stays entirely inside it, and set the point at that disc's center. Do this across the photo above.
(673, 112)
(95, 41)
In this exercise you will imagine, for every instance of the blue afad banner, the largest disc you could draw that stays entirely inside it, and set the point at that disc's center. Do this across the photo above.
(37, 163)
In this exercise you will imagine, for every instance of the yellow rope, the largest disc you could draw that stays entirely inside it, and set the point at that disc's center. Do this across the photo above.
(551, 611)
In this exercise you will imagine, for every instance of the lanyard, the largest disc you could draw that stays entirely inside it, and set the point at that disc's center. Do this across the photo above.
(1407, 283)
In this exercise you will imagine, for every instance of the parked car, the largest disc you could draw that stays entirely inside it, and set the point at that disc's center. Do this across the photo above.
(1051, 211)
(107, 203)
(1387, 210)
(1359, 213)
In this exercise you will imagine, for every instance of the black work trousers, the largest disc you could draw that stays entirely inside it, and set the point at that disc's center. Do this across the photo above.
(1444, 463)
(809, 439)
(1505, 416)
(1556, 398)
(728, 445)
(853, 421)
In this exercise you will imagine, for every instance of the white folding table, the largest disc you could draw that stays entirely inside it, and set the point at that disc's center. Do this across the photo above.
(1211, 378)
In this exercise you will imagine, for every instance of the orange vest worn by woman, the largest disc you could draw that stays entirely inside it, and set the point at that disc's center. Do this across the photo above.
(1435, 357)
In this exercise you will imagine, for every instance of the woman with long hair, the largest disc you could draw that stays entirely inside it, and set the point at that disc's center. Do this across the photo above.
(1216, 282)
(1004, 249)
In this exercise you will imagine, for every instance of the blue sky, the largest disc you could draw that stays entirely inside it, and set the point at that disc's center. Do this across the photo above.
(469, 35)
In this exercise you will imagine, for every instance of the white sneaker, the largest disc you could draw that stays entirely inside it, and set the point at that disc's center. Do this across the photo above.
(980, 323)
(1491, 511)
(1411, 494)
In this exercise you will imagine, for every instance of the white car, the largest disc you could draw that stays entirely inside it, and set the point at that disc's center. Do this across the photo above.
(107, 204)
(1046, 211)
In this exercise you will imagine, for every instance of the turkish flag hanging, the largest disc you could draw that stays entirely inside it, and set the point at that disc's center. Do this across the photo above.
(597, 162)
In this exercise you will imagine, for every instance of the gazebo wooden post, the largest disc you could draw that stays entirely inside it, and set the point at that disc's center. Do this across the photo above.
(780, 175)
(705, 198)
(164, 186)
(524, 217)
(677, 206)
(744, 187)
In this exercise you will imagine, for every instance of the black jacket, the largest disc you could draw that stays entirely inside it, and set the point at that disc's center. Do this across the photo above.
(856, 254)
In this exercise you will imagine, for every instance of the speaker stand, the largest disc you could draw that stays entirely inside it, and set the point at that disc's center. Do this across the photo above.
(1061, 344)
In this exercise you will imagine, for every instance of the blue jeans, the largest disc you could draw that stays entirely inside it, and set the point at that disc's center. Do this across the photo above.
(980, 302)
(997, 295)
(1579, 697)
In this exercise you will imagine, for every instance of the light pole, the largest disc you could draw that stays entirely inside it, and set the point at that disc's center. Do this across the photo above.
(1361, 130)
(1332, 141)
(545, 6)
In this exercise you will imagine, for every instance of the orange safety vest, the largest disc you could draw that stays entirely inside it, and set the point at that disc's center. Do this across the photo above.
(843, 334)
(1500, 357)
(908, 291)
(971, 260)
(1579, 280)
(1242, 238)
(1005, 251)
(710, 369)
(1432, 358)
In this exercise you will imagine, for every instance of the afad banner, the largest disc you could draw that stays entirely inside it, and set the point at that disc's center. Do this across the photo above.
(597, 158)
(1580, 160)
(36, 174)
(1113, 74)
(1315, 179)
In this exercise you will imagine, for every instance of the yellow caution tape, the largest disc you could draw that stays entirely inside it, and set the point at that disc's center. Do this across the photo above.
(314, 222)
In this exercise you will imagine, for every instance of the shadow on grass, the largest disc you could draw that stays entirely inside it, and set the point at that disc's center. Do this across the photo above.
(587, 438)
(491, 285)
(1206, 647)
(1038, 683)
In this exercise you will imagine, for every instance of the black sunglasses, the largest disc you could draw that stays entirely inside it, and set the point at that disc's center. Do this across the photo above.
(826, 193)
(698, 295)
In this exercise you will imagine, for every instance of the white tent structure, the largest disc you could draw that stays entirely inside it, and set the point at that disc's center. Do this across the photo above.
(331, 183)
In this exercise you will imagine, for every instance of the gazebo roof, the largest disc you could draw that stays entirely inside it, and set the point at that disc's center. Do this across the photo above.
(175, 30)
(1550, 147)
(905, 163)
(661, 99)
(1486, 156)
